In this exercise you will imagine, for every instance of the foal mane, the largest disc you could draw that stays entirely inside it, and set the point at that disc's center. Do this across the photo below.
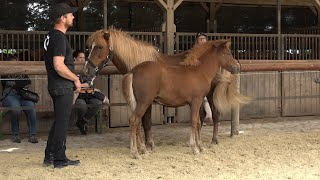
(192, 58)
(128, 50)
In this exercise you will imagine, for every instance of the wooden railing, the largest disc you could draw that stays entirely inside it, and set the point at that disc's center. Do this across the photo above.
(28, 45)
(261, 46)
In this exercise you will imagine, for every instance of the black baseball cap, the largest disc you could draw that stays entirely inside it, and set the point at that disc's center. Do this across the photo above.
(61, 9)
(200, 34)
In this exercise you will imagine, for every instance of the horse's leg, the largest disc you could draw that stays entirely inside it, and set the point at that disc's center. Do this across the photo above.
(215, 119)
(195, 125)
(141, 145)
(215, 115)
(199, 142)
(134, 123)
(147, 123)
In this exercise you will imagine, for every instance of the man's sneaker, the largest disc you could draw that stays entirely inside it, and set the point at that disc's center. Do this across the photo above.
(33, 139)
(65, 163)
(48, 161)
(16, 138)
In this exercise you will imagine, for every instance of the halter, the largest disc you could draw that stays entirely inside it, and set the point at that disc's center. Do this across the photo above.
(102, 65)
(97, 69)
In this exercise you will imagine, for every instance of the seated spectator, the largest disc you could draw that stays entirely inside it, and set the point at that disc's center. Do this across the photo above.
(90, 99)
(11, 97)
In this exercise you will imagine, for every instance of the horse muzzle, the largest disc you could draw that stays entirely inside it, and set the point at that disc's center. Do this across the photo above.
(88, 70)
(236, 69)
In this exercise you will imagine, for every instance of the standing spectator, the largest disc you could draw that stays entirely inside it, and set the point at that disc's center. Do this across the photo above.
(12, 98)
(61, 83)
(202, 38)
(90, 99)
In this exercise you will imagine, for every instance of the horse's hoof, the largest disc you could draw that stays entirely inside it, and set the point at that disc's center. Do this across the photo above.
(150, 147)
(195, 151)
(202, 149)
(144, 151)
(214, 141)
(137, 156)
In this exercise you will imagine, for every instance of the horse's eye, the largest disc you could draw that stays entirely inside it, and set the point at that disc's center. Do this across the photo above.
(100, 47)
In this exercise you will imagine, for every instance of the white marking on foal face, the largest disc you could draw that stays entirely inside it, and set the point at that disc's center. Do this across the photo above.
(92, 47)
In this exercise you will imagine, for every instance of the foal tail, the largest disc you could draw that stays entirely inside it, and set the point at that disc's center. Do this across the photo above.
(127, 91)
(226, 94)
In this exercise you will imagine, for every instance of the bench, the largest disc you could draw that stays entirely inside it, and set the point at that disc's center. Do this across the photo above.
(99, 127)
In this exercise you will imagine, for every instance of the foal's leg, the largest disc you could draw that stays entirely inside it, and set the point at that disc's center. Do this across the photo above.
(195, 125)
(134, 123)
(141, 145)
(198, 140)
(147, 123)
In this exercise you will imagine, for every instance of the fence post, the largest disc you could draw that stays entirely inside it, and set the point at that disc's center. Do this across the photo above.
(235, 112)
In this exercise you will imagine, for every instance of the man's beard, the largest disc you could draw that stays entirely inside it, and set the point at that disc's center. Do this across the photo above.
(68, 25)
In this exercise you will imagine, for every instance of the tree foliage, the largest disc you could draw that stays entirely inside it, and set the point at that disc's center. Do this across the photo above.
(133, 16)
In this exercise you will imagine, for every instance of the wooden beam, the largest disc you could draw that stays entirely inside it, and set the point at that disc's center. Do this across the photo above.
(317, 3)
(177, 4)
(162, 4)
(38, 68)
(245, 2)
(205, 7)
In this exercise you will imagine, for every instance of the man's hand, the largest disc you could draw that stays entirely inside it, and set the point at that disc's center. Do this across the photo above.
(85, 85)
(77, 84)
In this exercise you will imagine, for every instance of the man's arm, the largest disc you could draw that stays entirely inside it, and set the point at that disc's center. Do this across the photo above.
(64, 71)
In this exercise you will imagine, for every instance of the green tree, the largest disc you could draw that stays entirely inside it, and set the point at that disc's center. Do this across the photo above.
(13, 14)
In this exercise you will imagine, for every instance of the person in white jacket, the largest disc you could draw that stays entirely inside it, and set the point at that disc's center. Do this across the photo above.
(200, 39)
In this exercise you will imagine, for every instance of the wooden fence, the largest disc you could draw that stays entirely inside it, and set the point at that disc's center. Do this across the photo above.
(261, 46)
(276, 93)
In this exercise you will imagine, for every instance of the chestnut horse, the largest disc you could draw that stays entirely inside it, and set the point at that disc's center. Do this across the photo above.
(126, 53)
(175, 86)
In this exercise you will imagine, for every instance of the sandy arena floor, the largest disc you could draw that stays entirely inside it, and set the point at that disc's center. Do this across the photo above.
(268, 149)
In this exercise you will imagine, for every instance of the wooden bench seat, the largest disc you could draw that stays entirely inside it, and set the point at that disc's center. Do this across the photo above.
(99, 124)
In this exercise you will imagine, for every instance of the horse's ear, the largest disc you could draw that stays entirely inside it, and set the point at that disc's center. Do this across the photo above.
(106, 36)
(228, 44)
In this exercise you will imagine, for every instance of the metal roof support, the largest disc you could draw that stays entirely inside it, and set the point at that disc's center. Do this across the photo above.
(105, 13)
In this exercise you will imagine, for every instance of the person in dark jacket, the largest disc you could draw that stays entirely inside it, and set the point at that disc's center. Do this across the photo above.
(89, 100)
(11, 97)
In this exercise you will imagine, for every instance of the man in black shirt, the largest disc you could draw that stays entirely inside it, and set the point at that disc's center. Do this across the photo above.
(61, 84)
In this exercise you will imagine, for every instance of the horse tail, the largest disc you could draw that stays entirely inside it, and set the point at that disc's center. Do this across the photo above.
(128, 91)
(226, 94)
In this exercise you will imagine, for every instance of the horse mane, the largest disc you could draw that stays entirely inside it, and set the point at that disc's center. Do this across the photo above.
(192, 58)
(128, 50)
